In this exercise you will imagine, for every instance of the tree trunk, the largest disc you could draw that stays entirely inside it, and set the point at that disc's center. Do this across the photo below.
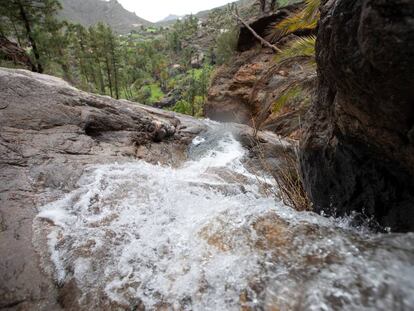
(64, 65)
(108, 72)
(114, 68)
(19, 41)
(83, 68)
(28, 28)
(254, 33)
(100, 77)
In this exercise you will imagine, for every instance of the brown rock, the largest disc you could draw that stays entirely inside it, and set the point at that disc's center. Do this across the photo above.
(246, 89)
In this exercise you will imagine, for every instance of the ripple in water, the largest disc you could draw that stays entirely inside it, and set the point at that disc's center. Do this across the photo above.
(205, 237)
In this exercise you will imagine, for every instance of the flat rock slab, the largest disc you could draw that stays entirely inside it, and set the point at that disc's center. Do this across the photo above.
(50, 133)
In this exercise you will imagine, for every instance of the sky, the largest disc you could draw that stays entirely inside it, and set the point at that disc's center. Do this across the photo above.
(156, 10)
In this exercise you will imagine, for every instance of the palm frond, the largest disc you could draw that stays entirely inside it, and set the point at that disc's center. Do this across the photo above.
(297, 92)
(302, 46)
(307, 18)
(311, 10)
(288, 95)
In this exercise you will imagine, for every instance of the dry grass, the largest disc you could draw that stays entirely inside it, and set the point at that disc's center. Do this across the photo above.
(287, 175)
(291, 189)
(287, 185)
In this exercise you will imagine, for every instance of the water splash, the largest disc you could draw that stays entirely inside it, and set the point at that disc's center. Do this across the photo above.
(205, 237)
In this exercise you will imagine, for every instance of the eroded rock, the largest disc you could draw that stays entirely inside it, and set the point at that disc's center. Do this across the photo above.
(246, 89)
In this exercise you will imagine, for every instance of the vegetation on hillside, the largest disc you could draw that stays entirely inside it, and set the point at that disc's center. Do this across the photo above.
(149, 65)
(306, 19)
(302, 46)
(90, 12)
(144, 65)
(32, 25)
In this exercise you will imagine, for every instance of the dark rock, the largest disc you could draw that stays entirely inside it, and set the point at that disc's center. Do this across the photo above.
(261, 26)
(169, 100)
(357, 154)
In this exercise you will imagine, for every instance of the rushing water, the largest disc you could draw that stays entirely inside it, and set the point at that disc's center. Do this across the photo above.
(206, 236)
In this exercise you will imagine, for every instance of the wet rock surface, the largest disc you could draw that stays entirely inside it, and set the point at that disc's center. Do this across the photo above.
(50, 133)
(209, 236)
(86, 226)
(357, 154)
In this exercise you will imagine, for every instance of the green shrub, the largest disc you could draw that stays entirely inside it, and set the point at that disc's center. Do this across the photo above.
(150, 94)
(226, 45)
(290, 95)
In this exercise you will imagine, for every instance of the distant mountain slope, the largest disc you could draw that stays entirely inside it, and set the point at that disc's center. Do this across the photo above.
(171, 17)
(203, 15)
(241, 4)
(169, 20)
(90, 12)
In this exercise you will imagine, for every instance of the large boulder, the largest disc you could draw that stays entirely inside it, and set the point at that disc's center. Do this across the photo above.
(49, 134)
(358, 151)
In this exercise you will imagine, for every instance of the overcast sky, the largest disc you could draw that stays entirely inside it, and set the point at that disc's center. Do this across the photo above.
(155, 10)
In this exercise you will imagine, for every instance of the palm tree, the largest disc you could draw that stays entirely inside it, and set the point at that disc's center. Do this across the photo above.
(303, 47)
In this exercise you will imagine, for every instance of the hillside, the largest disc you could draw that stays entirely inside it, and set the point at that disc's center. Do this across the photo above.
(242, 6)
(90, 12)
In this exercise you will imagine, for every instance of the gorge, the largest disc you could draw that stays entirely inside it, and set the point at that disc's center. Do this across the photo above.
(98, 228)
(108, 204)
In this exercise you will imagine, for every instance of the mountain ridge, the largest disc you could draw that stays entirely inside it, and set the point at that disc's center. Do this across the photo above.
(91, 12)
(170, 17)
(122, 21)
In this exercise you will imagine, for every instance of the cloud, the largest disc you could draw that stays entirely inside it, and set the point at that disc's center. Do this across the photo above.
(155, 10)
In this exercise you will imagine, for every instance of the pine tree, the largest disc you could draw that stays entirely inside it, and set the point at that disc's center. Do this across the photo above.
(26, 19)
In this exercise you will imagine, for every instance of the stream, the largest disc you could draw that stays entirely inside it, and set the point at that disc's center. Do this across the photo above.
(207, 236)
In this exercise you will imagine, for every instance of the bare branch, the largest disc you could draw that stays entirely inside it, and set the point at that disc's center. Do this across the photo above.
(266, 43)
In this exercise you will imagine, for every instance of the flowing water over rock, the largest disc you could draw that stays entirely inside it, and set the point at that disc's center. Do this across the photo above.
(207, 236)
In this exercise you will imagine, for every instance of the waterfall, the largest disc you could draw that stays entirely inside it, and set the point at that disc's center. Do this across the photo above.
(206, 236)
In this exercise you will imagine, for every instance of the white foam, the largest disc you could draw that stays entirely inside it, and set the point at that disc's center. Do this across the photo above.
(137, 231)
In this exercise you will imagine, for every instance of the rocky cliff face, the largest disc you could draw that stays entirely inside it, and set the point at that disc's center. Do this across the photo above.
(357, 154)
(246, 89)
